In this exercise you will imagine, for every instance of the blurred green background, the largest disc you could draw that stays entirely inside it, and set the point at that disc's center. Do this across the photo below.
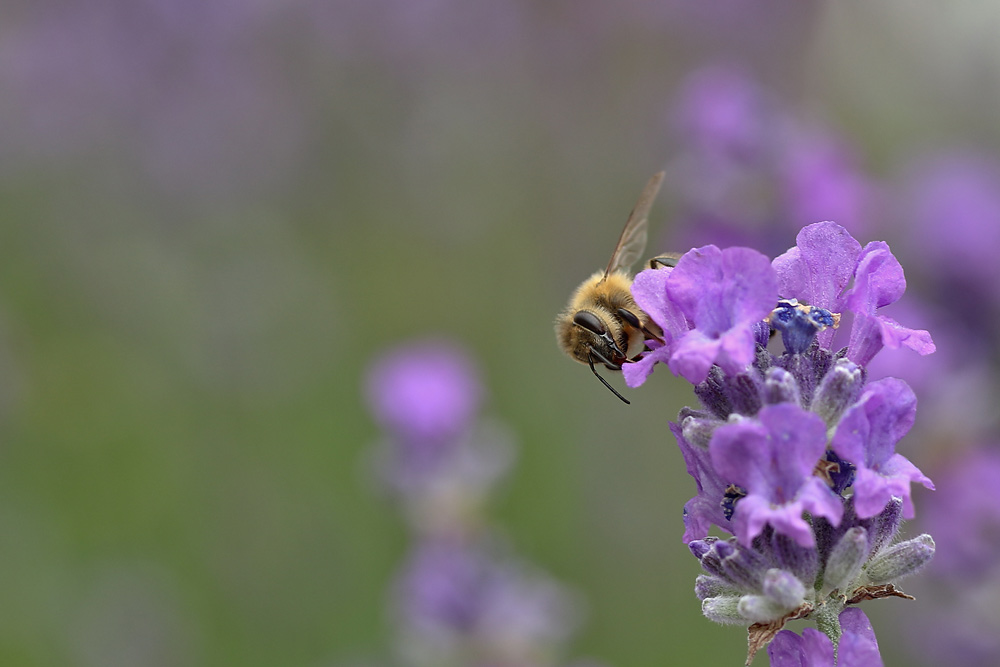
(216, 215)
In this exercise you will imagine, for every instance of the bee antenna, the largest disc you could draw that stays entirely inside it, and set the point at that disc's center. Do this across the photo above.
(590, 358)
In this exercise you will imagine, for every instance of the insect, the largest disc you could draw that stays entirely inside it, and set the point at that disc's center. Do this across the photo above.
(602, 323)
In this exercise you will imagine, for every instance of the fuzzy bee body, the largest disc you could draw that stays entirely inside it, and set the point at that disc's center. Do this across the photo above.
(602, 323)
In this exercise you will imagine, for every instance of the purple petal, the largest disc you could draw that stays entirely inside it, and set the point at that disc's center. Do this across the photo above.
(705, 508)
(870, 334)
(820, 265)
(868, 432)
(878, 282)
(773, 458)
(811, 649)
(649, 289)
(755, 511)
(778, 450)
(636, 372)
(723, 293)
(693, 356)
(858, 645)
(718, 289)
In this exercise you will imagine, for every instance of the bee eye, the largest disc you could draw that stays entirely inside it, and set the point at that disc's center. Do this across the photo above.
(589, 322)
(629, 317)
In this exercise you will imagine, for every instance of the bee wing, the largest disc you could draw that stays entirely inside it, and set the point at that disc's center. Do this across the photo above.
(632, 242)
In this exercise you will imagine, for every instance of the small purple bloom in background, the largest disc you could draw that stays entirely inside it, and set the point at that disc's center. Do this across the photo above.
(461, 592)
(966, 516)
(822, 180)
(454, 590)
(750, 170)
(721, 111)
(950, 207)
(425, 392)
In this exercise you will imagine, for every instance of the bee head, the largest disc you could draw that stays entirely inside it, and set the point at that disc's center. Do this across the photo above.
(596, 339)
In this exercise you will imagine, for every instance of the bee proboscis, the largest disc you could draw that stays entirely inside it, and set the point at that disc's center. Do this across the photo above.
(602, 322)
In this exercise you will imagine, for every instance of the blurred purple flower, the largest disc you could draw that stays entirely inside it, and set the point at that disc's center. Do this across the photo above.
(749, 170)
(721, 112)
(965, 516)
(425, 392)
(857, 647)
(951, 202)
(821, 180)
(452, 593)
(773, 457)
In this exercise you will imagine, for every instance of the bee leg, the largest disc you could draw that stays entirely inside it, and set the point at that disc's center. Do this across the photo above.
(590, 358)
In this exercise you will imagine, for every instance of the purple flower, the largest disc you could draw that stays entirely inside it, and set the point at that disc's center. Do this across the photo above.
(822, 180)
(816, 271)
(649, 289)
(724, 294)
(952, 206)
(440, 585)
(792, 453)
(721, 111)
(452, 593)
(867, 435)
(773, 458)
(878, 282)
(965, 517)
(818, 268)
(424, 392)
(705, 508)
(857, 647)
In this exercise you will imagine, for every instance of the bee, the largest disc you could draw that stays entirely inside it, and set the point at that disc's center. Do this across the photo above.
(602, 323)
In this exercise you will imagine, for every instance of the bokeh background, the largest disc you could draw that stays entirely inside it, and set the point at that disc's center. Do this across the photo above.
(215, 216)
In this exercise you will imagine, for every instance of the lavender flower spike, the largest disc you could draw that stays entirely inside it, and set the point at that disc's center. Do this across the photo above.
(793, 452)
(773, 458)
(725, 294)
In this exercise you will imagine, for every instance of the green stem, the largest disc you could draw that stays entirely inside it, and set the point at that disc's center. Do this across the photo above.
(828, 621)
